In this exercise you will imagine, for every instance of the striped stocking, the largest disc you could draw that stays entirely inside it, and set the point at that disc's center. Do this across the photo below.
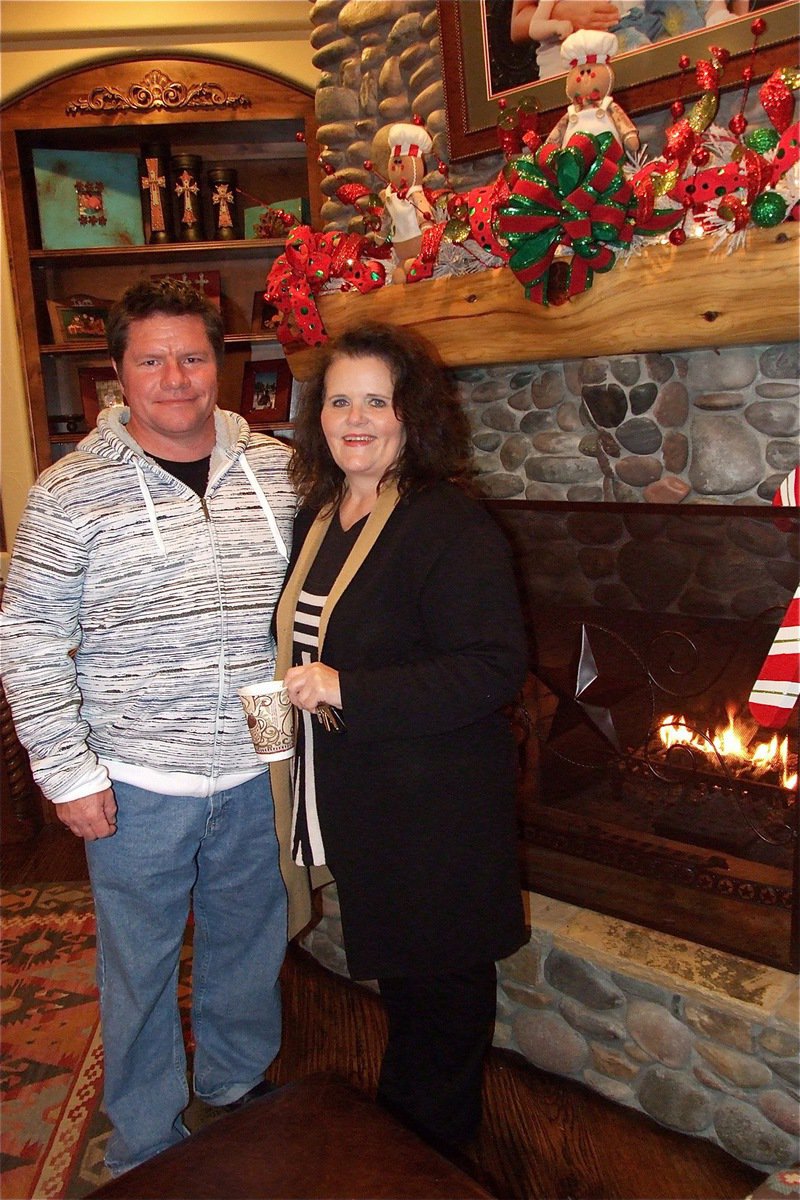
(778, 685)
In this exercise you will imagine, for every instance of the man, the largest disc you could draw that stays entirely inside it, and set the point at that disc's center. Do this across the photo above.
(140, 596)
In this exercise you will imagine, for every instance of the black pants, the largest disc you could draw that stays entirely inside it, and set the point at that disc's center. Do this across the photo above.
(440, 1027)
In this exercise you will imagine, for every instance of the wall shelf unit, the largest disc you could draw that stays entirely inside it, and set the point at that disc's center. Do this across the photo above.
(225, 114)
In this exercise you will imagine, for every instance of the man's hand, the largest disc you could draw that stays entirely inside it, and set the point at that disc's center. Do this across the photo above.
(90, 817)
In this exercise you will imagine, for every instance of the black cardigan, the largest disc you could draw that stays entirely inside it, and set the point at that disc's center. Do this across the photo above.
(416, 798)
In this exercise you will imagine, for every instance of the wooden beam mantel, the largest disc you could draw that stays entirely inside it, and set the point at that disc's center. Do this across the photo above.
(667, 298)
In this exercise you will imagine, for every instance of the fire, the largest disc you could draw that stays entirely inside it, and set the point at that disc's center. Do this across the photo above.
(730, 744)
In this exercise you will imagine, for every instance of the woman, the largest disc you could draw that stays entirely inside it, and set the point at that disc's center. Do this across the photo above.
(401, 620)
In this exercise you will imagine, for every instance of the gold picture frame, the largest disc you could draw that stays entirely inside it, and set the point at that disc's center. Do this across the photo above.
(472, 36)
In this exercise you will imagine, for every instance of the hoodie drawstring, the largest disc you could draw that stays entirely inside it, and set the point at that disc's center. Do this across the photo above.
(151, 511)
(262, 500)
(255, 485)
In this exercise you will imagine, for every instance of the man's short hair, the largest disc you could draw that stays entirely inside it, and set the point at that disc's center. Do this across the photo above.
(173, 297)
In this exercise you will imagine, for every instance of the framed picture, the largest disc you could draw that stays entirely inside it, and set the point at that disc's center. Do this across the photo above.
(88, 198)
(266, 392)
(78, 319)
(266, 318)
(481, 65)
(99, 388)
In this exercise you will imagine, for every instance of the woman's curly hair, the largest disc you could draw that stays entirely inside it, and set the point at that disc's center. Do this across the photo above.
(437, 445)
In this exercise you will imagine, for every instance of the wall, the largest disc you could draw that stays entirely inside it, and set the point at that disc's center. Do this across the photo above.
(701, 1041)
(41, 39)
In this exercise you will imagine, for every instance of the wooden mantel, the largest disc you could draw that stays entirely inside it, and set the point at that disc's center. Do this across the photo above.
(667, 298)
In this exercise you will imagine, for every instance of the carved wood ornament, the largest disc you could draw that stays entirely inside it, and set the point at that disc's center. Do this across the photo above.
(156, 91)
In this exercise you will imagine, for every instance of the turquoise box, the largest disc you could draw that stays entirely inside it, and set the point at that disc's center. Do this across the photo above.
(88, 199)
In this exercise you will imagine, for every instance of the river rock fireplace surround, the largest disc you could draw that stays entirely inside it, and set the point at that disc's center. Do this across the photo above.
(673, 383)
(662, 959)
(678, 1000)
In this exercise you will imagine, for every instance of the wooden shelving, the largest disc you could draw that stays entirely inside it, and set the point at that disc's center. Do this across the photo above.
(218, 111)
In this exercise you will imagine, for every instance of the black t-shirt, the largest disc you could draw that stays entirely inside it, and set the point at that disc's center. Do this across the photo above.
(193, 474)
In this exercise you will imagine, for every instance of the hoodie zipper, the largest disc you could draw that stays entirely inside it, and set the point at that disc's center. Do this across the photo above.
(221, 658)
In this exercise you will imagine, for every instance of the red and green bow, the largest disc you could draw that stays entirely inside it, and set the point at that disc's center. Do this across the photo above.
(576, 198)
(311, 260)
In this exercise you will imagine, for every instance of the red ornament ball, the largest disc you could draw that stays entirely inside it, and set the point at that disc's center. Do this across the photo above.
(678, 236)
(738, 124)
(502, 103)
(328, 169)
(684, 62)
(747, 74)
(677, 109)
(368, 164)
(300, 137)
(700, 156)
(417, 119)
(758, 27)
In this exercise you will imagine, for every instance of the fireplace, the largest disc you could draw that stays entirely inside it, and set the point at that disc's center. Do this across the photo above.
(647, 791)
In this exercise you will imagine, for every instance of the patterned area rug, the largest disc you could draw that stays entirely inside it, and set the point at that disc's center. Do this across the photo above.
(54, 1130)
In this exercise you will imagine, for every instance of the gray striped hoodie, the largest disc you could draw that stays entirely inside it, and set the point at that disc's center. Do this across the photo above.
(134, 611)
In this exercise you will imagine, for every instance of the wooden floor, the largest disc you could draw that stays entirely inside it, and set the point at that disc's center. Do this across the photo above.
(543, 1138)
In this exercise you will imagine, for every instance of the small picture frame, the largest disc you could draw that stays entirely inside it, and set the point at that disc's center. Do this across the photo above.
(99, 388)
(266, 392)
(266, 318)
(78, 319)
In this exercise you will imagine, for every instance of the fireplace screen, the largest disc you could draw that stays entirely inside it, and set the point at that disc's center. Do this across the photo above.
(648, 791)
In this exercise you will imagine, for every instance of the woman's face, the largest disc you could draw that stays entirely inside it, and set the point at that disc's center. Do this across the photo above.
(363, 432)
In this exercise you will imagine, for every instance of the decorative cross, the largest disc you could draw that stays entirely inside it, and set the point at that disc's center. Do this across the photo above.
(224, 198)
(187, 188)
(153, 182)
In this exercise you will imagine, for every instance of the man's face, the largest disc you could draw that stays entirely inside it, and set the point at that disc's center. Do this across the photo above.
(169, 376)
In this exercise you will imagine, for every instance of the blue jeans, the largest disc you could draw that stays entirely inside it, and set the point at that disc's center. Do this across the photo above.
(221, 855)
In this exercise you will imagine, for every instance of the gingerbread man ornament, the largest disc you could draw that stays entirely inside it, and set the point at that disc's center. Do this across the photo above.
(587, 56)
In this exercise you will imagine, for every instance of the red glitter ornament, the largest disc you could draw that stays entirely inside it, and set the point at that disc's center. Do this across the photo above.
(684, 62)
(738, 124)
(758, 27)
(677, 236)
(677, 109)
(501, 103)
(300, 137)
(700, 156)
(777, 101)
(735, 210)
(721, 54)
(747, 74)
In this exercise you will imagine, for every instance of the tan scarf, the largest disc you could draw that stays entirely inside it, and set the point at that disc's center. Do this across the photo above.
(280, 772)
(384, 507)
